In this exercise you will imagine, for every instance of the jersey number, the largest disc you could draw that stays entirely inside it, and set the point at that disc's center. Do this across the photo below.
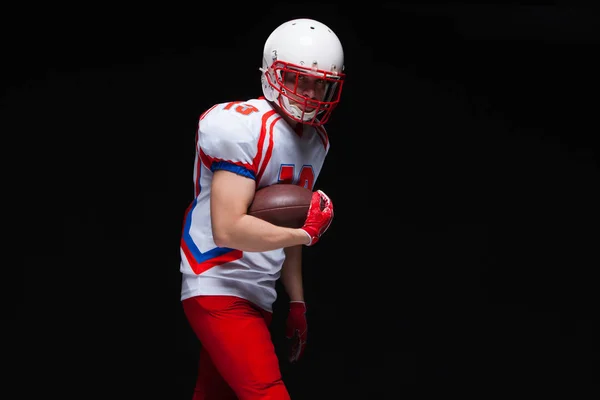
(306, 177)
(244, 109)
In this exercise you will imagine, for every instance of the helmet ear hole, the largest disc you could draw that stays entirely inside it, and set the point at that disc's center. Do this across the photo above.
(268, 82)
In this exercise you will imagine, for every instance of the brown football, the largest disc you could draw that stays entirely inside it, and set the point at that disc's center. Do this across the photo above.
(282, 204)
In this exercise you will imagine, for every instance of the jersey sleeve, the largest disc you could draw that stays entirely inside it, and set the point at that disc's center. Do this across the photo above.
(226, 142)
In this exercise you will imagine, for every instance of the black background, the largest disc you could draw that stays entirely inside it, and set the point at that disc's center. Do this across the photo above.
(463, 168)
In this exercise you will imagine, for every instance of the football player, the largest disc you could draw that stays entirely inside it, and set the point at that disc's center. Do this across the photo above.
(230, 261)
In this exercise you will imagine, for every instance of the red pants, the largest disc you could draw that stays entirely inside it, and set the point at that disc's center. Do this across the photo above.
(238, 359)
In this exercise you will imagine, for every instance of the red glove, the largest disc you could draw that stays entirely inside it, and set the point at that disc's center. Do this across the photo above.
(320, 215)
(296, 329)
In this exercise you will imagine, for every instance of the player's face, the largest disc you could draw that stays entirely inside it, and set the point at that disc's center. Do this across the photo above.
(311, 87)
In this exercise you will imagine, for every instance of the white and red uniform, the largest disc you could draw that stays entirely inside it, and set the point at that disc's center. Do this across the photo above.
(228, 294)
(251, 139)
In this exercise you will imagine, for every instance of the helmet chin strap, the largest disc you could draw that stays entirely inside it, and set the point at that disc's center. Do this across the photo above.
(295, 110)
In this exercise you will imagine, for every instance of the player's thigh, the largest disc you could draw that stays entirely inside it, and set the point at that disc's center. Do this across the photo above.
(237, 337)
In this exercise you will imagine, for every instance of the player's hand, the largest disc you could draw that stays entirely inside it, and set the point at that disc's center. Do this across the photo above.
(320, 215)
(296, 330)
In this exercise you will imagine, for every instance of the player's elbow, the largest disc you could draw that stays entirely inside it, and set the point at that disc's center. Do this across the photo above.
(223, 241)
(223, 235)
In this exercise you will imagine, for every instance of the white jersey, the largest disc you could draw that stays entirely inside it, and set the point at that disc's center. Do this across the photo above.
(251, 139)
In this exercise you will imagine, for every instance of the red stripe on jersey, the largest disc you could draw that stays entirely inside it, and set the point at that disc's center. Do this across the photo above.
(197, 183)
(208, 161)
(261, 139)
(269, 151)
(197, 161)
(206, 112)
(201, 267)
(198, 172)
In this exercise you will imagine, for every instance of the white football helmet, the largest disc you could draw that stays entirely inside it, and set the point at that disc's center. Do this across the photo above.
(303, 47)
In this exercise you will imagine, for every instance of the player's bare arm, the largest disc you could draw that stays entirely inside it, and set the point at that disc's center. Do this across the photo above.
(231, 195)
(291, 273)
